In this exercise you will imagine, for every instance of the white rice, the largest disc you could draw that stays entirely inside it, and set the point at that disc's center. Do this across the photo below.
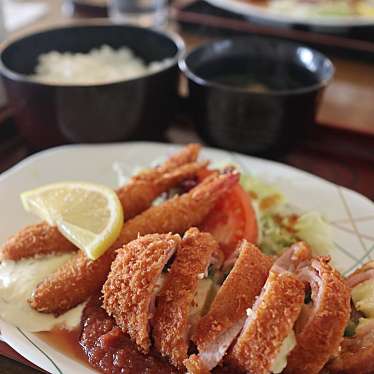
(100, 65)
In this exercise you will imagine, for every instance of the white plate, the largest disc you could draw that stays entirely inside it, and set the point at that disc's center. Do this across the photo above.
(351, 215)
(246, 9)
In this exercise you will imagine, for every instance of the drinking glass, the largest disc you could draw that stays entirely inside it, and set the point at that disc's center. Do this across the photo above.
(2, 37)
(146, 13)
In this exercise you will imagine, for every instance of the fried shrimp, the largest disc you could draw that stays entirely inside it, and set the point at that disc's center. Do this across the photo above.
(80, 277)
(132, 284)
(172, 320)
(224, 320)
(136, 196)
(39, 239)
(139, 193)
(319, 330)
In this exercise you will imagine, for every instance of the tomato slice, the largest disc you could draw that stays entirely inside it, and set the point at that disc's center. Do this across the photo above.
(232, 219)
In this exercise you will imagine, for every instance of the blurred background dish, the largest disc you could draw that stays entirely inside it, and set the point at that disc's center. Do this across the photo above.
(92, 8)
(253, 94)
(146, 13)
(322, 15)
(48, 114)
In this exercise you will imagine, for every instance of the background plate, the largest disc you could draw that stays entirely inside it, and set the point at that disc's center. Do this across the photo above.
(350, 214)
(259, 13)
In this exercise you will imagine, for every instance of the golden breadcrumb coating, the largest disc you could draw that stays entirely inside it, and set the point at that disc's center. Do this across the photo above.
(235, 296)
(38, 239)
(181, 212)
(365, 267)
(356, 355)
(270, 322)
(171, 323)
(141, 190)
(131, 285)
(321, 332)
(365, 272)
(136, 196)
(60, 292)
(195, 366)
(187, 154)
(71, 284)
(293, 257)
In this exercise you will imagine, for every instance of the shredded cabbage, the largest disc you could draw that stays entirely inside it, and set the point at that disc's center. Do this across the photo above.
(287, 346)
(267, 196)
(274, 237)
(312, 228)
(279, 230)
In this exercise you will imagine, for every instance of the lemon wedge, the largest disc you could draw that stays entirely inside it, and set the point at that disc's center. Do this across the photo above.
(89, 215)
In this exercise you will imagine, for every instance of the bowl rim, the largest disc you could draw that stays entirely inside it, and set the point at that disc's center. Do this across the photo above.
(183, 66)
(19, 77)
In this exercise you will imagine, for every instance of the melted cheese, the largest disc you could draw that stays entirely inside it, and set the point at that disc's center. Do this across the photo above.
(198, 305)
(363, 299)
(17, 282)
(280, 361)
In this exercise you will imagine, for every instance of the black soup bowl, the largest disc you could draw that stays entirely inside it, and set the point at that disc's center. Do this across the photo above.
(254, 94)
(49, 114)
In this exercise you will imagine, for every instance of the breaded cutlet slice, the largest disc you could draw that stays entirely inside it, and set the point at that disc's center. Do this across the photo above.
(131, 287)
(224, 320)
(268, 324)
(364, 273)
(356, 354)
(321, 326)
(171, 324)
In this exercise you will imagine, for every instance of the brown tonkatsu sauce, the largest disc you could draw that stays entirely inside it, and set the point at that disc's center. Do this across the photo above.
(106, 348)
(109, 350)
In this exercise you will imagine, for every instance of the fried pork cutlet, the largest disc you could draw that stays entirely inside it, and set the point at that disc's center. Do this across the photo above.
(269, 324)
(78, 279)
(136, 196)
(133, 283)
(363, 274)
(267, 336)
(356, 355)
(179, 295)
(320, 328)
(219, 327)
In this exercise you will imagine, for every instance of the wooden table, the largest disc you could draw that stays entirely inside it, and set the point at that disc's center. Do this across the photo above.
(339, 156)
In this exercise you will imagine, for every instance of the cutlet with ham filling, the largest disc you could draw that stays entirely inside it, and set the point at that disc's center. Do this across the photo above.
(267, 336)
(356, 353)
(172, 320)
(268, 324)
(224, 320)
(320, 328)
(132, 284)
